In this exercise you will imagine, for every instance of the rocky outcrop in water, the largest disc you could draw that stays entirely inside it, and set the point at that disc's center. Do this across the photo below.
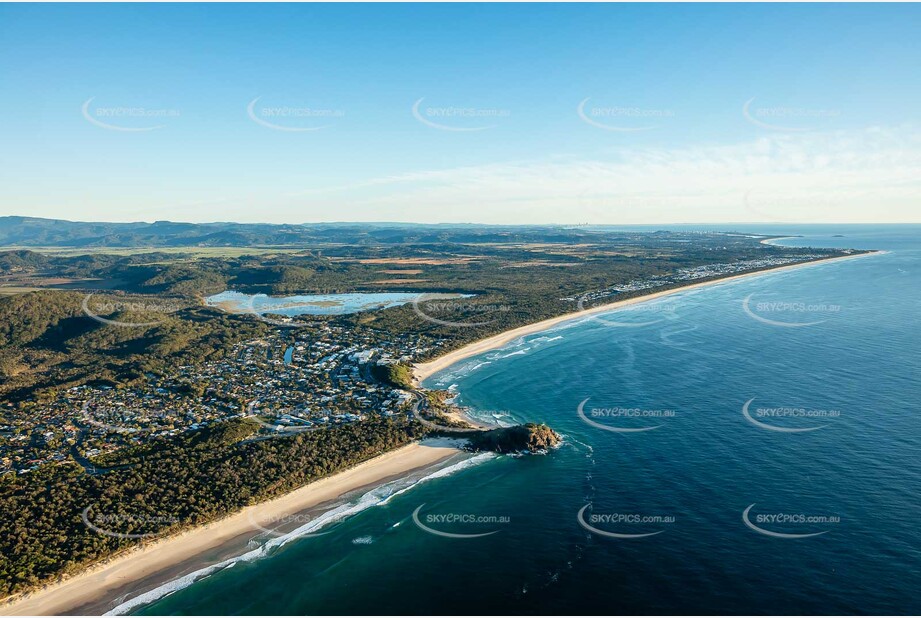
(531, 437)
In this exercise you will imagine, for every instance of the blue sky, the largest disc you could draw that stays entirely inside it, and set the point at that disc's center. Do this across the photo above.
(523, 113)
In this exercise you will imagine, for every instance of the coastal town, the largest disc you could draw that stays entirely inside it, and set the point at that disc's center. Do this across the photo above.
(301, 377)
(291, 381)
(560, 309)
(685, 275)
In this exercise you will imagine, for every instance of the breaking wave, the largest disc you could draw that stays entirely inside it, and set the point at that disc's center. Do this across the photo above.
(376, 497)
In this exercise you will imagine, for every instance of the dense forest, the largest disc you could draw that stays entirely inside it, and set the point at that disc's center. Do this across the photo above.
(522, 279)
(37, 232)
(48, 342)
(61, 334)
(187, 481)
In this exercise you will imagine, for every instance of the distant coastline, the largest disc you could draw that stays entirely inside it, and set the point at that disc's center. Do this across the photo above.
(422, 371)
(140, 568)
(771, 240)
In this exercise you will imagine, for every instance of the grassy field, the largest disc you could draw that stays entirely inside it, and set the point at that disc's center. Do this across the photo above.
(9, 290)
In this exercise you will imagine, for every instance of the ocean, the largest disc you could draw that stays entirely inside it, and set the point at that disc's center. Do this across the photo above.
(752, 447)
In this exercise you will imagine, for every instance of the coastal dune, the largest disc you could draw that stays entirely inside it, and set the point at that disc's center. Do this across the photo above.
(103, 582)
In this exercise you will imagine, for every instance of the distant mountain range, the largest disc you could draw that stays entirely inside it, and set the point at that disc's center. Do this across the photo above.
(35, 232)
(31, 231)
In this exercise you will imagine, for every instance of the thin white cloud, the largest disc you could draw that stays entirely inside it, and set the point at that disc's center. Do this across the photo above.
(871, 175)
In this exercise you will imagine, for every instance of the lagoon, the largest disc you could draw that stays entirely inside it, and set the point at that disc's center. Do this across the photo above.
(846, 487)
(318, 304)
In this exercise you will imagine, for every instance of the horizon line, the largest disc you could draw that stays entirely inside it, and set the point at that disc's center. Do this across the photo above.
(460, 223)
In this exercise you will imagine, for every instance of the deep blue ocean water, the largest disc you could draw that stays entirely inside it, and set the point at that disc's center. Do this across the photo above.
(827, 357)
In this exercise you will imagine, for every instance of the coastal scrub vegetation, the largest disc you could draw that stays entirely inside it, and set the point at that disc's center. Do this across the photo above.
(398, 374)
(510, 276)
(190, 480)
(48, 343)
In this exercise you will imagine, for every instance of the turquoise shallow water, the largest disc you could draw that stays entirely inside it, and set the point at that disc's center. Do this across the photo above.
(837, 348)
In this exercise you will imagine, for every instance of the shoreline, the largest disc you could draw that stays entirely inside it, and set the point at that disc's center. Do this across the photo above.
(144, 567)
(423, 371)
(156, 563)
(773, 239)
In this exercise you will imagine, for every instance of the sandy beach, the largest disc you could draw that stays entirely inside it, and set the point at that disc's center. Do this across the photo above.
(422, 371)
(103, 581)
(774, 239)
(158, 560)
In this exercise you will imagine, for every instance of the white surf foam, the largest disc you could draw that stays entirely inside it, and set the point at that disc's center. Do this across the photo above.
(375, 497)
(517, 353)
(443, 472)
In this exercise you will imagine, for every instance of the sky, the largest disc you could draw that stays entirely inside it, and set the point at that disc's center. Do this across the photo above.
(565, 114)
